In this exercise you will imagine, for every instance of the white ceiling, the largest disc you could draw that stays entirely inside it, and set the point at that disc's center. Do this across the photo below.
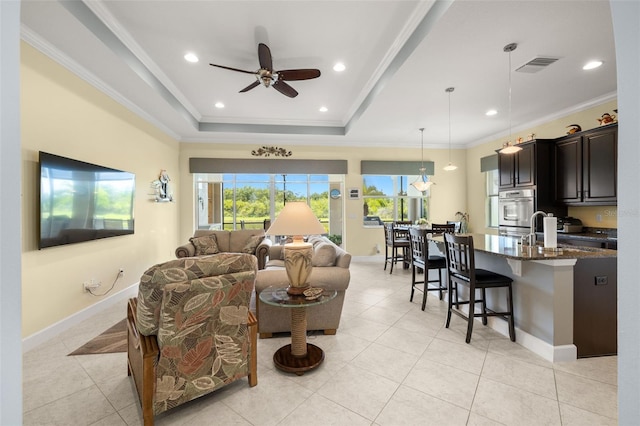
(400, 56)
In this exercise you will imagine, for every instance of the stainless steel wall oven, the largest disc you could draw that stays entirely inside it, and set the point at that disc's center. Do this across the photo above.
(515, 210)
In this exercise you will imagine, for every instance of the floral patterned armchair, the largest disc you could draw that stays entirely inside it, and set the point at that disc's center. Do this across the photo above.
(190, 330)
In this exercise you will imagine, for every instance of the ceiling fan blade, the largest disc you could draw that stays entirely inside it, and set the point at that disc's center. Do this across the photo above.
(251, 86)
(264, 56)
(285, 89)
(301, 74)
(233, 69)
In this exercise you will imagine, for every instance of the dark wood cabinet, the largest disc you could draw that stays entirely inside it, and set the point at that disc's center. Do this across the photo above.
(525, 167)
(595, 296)
(586, 167)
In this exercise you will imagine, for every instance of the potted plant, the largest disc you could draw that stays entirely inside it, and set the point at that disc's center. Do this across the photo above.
(422, 223)
(335, 239)
(463, 217)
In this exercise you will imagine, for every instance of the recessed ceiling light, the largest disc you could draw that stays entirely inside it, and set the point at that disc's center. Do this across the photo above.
(191, 57)
(491, 112)
(592, 65)
(219, 105)
(324, 109)
(339, 67)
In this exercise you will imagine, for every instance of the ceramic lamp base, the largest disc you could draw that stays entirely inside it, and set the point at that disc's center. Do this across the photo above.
(297, 262)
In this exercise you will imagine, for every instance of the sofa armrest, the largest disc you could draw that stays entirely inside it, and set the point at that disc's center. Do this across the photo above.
(262, 252)
(185, 250)
(276, 252)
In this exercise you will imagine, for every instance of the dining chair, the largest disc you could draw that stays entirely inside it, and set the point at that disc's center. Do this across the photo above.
(438, 228)
(421, 260)
(396, 245)
(457, 224)
(460, 259)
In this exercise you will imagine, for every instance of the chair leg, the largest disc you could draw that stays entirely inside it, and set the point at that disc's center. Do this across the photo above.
(394, 257)
(253, 339)
(424, 293)
(449, 304)
(484, 307)
(472, 303)
(413, 282)
(512, 325)
(386, 256)
(440, 282)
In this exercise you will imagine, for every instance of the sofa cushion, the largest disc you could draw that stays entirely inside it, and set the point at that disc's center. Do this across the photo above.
(252, 243)
(324, 254)
(207, 244)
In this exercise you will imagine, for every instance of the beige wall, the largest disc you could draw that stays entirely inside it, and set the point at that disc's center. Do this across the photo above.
(62, 114)
(475, 184)
(447, 195)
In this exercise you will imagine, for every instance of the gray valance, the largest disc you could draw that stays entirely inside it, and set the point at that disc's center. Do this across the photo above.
(488, 163)
(265, 165)
(395, 168)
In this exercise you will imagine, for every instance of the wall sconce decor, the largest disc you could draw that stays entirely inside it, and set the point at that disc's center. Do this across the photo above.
(162, 191)
(267, 151)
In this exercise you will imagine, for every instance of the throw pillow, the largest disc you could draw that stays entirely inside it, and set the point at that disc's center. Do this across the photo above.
(252, 243)
(324, 254)
(207, 244)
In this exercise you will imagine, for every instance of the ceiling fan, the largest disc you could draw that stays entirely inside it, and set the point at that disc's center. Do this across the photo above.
(277, 79)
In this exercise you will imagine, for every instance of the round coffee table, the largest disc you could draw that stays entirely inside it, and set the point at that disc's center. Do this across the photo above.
(299, 356)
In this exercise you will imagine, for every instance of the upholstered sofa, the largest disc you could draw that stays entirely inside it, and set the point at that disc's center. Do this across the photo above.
(205, 242)
(190, 330)
(330, 271)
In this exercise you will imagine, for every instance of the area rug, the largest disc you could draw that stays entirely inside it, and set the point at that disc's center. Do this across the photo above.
(112, 340)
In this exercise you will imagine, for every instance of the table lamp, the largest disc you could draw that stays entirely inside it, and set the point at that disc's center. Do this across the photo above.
(296, 219)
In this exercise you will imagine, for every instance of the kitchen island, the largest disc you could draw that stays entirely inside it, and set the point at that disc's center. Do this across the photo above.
(564, 300)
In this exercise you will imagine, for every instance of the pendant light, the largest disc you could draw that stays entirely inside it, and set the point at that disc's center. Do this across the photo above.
(509, 148)
(450, 167)
(422, 183)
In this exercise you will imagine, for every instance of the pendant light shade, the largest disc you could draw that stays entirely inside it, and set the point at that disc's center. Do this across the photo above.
(422, 183)
(508, 147)
(450, 167)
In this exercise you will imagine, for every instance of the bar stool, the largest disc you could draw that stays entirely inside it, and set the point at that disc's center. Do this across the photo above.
(395, 240)
(420, 259)
(461, 269)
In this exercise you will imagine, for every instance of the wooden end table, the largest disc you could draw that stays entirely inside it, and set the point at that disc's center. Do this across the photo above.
(299, 356)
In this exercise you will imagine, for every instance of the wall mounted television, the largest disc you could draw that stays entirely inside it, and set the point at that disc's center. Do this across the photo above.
(81, 201)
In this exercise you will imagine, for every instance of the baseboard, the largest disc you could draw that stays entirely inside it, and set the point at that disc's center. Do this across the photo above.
(53, 330)
(534, 344)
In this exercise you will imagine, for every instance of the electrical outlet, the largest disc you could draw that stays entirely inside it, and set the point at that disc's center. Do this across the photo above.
(121, 272)
(91, 285)
(602, 280)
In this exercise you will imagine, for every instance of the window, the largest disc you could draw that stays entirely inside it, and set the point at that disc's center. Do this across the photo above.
(235, 201)
(491, 203)
(392, 198)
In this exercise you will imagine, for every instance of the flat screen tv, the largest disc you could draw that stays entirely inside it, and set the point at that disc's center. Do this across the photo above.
(81, 201)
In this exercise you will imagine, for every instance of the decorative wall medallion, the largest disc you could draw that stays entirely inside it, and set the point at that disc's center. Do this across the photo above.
(267, 151)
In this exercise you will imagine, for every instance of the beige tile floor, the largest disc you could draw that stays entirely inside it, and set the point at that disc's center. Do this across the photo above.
(389, 364)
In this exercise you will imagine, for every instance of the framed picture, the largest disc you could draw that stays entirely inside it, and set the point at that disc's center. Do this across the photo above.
(354, 193)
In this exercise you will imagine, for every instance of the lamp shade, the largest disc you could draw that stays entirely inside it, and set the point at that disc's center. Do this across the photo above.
(510, 149)
(296, 218)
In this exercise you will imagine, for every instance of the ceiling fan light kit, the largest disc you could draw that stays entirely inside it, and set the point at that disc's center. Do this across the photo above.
(276, 79)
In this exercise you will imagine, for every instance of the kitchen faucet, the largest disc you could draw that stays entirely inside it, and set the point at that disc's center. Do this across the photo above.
(530, 239)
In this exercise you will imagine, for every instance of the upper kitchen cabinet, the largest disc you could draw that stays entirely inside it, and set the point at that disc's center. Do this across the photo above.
(586, 167)
(528, 167)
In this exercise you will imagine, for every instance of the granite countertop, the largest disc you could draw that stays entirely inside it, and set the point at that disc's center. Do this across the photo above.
(510, 247)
